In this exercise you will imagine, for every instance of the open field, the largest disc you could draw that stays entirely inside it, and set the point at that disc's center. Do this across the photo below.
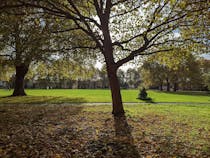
(91, 131)
(86, 95)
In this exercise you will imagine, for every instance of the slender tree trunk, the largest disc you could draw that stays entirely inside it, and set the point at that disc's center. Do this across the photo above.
(21, 71)
(107, 50)
(175, 87)
(117, 109)
(176, 83)
(161, 87)
(168, 85)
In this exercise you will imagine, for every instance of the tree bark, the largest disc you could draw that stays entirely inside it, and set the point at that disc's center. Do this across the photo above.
(21, 71)
(117, 106)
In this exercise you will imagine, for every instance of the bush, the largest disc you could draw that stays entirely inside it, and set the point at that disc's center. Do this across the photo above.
(143, 94)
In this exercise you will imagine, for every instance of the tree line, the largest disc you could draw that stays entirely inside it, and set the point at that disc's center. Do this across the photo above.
(70, 75)
(156, 72)
(167, 73)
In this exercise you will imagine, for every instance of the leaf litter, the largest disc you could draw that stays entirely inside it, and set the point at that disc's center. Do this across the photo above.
(59, 131)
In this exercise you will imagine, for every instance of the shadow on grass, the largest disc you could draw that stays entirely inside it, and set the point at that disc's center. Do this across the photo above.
(40, 100)
(147, 100)
(38, 131)
(120, 144)
(125, 139)
(193, 93)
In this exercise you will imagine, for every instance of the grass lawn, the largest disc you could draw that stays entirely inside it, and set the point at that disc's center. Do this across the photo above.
(99, 95)
(148, 130)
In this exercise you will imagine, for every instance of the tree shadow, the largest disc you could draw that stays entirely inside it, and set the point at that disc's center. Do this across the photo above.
(124, 137)
(147, 100)
(41, 100)
(192, 93)
(39, 131)
(115, 144)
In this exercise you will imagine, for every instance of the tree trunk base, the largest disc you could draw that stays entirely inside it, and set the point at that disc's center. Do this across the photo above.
(119, 113)
(21, 71)
(18, 94)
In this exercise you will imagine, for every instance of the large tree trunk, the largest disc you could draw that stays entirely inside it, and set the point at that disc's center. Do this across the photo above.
(21, 71)
(107, 50)
(117, 109)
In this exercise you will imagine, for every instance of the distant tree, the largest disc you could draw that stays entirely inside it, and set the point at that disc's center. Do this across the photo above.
(132, 78)
(183, 68)
(205, 69)
(6, 72)
(179, 68)
(104, 77)
(153, 74)
(206, 77)
(24, 40)
(59, 71)
(66, 69)
(27, 39)
(122, 78)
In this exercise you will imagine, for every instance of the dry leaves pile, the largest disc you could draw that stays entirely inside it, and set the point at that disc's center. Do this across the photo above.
(71, 131)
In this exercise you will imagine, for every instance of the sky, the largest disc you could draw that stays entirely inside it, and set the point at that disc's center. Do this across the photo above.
(124, 67)
(207, 56)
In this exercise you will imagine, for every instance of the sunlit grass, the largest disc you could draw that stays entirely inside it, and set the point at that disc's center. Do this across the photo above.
(99, 95)
(181, 123)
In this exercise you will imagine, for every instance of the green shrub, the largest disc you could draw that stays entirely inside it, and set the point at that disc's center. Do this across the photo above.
(143, 94)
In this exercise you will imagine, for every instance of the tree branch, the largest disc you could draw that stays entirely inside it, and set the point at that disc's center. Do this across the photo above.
(126, 41)
(67, 30)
